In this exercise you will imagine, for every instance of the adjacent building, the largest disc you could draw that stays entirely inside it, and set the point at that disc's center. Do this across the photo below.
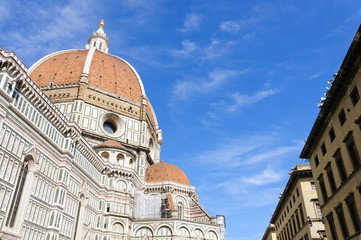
(298, 213)
(334, 146)
(270, 233)
(80, 154)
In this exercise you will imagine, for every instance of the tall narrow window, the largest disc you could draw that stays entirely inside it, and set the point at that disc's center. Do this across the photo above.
(332, 134)
(305, 237)
(294, 224)
(350, 201)
(341, 168)
(331, 179)
(331, 224)
(323, 149)
(98, 221)
(288, 232)
(108, 207)
(316, 161)
(318, 208)
(6, 83)
(17, 196)
(180, 211)
(352, 151)
(355, 96)
(342, 117)
(106, 223)
(297, 220)
(322, 187)
(301, 214)
(341, 220)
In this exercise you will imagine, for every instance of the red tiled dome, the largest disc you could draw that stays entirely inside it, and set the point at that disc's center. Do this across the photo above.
(110, 143)
(160, 172)
(106, 71)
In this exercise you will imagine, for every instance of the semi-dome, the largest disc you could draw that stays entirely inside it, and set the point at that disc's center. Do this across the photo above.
(160, 172)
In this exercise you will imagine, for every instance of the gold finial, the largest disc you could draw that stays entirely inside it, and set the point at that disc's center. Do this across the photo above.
(101, 24)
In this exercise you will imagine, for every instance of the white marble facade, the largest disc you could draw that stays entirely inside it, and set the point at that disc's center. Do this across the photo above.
(55, 186)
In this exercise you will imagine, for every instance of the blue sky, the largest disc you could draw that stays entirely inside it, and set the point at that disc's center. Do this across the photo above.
(235, 84)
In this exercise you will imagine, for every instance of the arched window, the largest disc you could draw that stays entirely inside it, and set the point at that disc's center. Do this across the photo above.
(118, 228)
(18, 191)
(132, 164)
(151, 148)
(122, 186)
(105, 156)
(181, 206)
(180, 210)
(120, 159)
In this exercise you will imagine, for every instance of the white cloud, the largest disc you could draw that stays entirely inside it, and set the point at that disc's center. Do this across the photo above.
(238, 100)
(182, 90)
(272, 153)
(247, 151)
(248, 194)
(316, 75)
(50, 26)
(230, 26)
(211, 120)
(188, 47)
(234, 26)
(269, 175)
(233, 152)
(191, 22)
(215, 49)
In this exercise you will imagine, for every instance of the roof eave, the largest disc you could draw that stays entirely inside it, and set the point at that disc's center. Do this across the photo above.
(343, 78)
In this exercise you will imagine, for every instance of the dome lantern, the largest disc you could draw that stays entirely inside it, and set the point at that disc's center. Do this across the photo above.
(98, 39)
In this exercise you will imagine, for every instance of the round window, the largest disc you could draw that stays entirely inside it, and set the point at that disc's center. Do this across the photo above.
(112, 125)
(109, 127)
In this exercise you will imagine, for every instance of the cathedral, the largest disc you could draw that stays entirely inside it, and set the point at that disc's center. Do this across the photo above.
(80, 154)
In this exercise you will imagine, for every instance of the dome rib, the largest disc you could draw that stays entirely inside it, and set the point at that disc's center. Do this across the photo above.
(106, 71)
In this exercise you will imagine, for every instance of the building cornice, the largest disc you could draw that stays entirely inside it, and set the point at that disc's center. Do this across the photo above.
(349, 67)
(295, 175)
